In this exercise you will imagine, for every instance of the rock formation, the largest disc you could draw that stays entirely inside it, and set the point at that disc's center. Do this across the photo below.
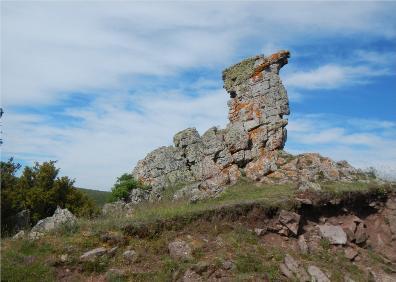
(250, 145)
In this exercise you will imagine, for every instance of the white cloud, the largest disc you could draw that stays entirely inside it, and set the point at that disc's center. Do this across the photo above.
(343, 138)
(50, 50)
(111, 138)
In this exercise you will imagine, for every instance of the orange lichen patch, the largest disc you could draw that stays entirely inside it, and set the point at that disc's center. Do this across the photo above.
(255, 133)
(257, 76)
(235, 108)
(257, 112)
(276, 175)
(271, 60)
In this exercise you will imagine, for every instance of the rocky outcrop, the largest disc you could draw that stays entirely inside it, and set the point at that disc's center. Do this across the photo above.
(61, 217)
(250, 145)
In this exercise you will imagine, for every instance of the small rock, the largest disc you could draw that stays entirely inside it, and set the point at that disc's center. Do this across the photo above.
(93, 254)
(317, 275)
(180, 250)
(227, 265)
(296, 268)
(286, 271)
(260, 231)
(33, 235)
(350, 253)
(291, 220)
(130, 256)
(191, 276)
(302, 244)
(64, 257)
(334, 233)
(360, 234)
(19, 235)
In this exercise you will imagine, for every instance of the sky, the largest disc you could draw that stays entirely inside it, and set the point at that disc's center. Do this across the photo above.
(98, 85)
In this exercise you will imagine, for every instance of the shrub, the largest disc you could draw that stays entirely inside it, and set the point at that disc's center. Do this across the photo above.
(40, 190)
(124, 185)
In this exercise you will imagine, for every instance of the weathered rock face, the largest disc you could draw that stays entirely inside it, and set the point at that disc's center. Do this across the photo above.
(250, 144)
(256, 108)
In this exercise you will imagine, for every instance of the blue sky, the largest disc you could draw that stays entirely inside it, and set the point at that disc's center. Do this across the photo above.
(97, 85)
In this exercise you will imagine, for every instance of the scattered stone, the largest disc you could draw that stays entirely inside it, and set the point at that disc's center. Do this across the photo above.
(35, 235)
(260, 231)
(350, 253)
(180, 250)
(286, 271)
(302, 244)
(334, 233)
(361, 235)
(61, 217)
(130, 256)
(317, 275)
(296, 268)
(64, 257)
(227, 265)
(291, 220)
(112, 238)
(191, 276)
(21, 234)
(93, 254)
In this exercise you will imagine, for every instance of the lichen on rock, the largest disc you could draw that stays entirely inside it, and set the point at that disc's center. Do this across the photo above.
(251, 144)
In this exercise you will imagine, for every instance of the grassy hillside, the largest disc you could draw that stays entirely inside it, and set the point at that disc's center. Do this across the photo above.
(214, 238)
(100, 197)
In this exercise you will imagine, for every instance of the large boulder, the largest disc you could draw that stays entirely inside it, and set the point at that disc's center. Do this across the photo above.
(61, 217)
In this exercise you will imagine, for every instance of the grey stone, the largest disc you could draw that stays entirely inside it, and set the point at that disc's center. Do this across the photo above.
(33, 235)
(180, 250)
(227, 265)
(260, 231)
(59, 218)
(361, 235)
(302, 244)
(291, 220)
(317, 275)
(130, 256)
(350, 253)
(296, 268)
(334, 233)
(93, 254)
(21, 234)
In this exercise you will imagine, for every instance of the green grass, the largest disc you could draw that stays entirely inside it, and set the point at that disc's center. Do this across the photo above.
(99, 197)
(25, 261)
(240, 194)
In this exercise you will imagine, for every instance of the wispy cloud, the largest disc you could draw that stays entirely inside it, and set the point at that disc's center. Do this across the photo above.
(146, 70)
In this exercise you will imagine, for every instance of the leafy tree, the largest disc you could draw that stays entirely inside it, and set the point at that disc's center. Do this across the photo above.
(40, 190)
(124, 185)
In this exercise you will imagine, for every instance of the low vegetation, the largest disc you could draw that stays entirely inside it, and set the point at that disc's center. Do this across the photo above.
(40, 190)
(124, 185)
(214, 240)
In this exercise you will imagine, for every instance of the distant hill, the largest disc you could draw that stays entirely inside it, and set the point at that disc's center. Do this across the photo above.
(100, 197)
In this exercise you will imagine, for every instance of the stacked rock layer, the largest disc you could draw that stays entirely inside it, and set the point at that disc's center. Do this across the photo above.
(250, 145)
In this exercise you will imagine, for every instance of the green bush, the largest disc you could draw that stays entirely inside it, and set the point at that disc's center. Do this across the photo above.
(40, 190)
(124, 185)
